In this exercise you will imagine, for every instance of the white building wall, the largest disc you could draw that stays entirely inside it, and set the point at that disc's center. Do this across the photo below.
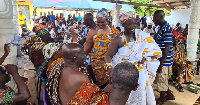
(179, 15)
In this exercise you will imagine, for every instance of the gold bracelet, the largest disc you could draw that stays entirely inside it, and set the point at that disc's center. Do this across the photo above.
(107, 65)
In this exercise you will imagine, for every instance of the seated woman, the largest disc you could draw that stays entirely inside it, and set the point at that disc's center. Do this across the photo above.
(182, 69)
(8, 96)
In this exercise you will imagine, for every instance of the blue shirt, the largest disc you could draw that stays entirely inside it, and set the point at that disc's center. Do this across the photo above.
(52, 18)
(85, 32)
(165, 37)
(79, 18)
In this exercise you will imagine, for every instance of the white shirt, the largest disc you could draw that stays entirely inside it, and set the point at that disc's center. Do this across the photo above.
(36, 20)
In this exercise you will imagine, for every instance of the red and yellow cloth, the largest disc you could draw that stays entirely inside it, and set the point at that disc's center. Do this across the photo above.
(89, 94)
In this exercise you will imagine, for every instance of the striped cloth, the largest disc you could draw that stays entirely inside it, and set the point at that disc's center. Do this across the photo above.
(165, 37)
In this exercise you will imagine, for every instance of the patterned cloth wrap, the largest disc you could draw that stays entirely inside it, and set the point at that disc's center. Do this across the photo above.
(187, 74)
(6, 95)
(134, 51)
(39, 27)
(35, 47)
(98, 53)
(89, 94)
(126, 16)
(31, 41)
(102, 13)
(53, 74)
(42, 32)
(50, 49)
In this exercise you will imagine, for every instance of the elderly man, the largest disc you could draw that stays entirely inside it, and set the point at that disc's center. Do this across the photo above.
(164, 38)
(124, 80)
(135, 46)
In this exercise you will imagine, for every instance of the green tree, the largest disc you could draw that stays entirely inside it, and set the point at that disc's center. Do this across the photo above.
(149, 10)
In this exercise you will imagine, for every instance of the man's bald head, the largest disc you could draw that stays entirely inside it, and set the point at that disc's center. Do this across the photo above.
(73, 52)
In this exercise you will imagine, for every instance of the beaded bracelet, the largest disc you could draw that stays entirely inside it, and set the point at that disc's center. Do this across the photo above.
(107, 65)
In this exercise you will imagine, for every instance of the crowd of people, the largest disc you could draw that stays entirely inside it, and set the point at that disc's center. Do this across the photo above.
(83, 62)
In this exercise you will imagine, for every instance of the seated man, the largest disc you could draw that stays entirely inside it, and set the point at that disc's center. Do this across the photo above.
(25, 31)
(8, 96)
(55, 71)
(124, 80)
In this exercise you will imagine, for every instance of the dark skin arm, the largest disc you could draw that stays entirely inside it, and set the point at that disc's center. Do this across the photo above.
(23, 92)
(164, 56)
(113, 48)
(89, 41)
(82, 41)
(7, 51)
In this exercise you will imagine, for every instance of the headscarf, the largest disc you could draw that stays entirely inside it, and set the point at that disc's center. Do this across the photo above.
(50, 49)
(42, 32)
(31, 41)
(102, 13)
(125, 16)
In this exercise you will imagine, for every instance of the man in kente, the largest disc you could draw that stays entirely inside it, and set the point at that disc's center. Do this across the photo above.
(7, 94)
(137, 47)
(55, 70)
(124, 80)
(164, 38)
(97, 45)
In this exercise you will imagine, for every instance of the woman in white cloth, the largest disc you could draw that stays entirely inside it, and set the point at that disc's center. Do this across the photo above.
(138, 47)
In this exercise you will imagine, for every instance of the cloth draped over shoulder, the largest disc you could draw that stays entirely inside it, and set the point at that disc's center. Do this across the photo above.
(134, 51)
(53, 74)
(98, 53)
(89, 94)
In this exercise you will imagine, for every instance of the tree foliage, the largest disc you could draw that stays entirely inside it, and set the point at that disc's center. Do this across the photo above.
(149, 10)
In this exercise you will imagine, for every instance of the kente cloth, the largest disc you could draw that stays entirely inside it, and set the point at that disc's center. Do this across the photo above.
(89, 94)
(125, 16)
(6, 95)
(53, 74)
(134, 51)
(97, 54)
(31, 41)
(187, 74)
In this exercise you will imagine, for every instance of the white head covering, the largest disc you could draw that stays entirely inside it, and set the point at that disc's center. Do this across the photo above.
(50, 49)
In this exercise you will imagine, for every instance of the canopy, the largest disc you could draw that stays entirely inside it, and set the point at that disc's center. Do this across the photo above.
(78, 4)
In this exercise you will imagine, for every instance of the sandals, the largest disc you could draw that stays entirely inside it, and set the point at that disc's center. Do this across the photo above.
(160, 101)
(170, 95)
(179, 88)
